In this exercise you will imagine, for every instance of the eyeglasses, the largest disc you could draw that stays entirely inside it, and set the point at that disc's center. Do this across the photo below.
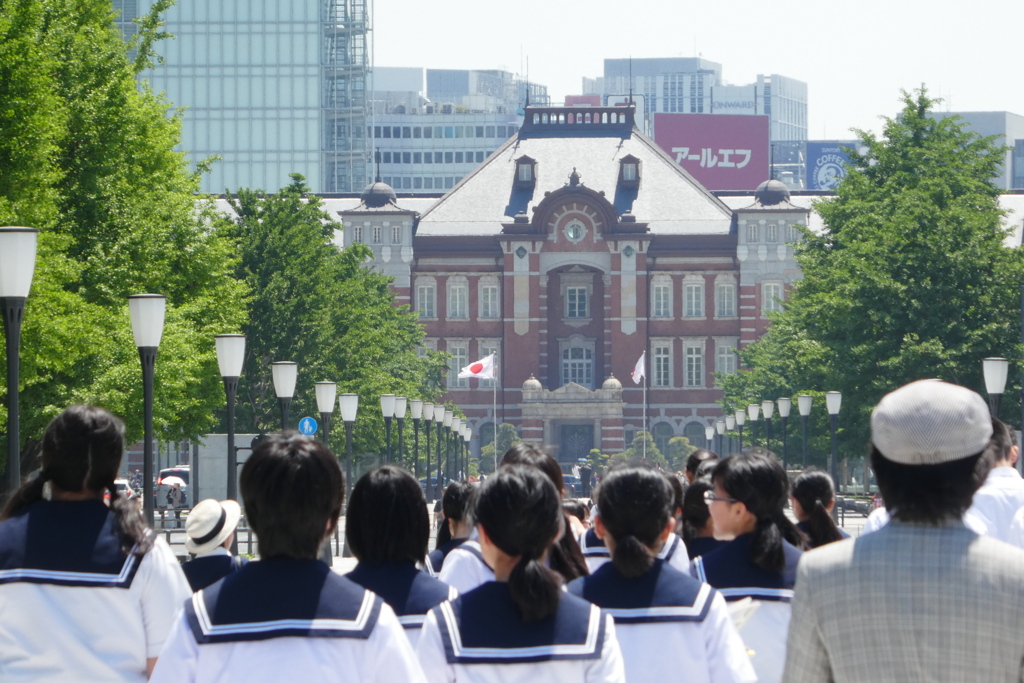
(710, 497)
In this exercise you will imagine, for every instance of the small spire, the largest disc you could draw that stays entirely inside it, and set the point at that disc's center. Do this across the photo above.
(574, 178)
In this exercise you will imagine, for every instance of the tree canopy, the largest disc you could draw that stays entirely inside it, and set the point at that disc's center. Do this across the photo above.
(910, 279)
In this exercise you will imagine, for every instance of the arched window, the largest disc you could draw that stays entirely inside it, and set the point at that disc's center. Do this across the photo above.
(662, 432)
(694, 432)
(578, 366)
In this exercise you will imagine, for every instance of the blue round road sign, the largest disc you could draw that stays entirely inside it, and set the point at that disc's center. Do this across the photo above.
(307, 426)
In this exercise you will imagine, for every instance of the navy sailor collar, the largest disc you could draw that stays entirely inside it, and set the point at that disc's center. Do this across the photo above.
(729, 569)
(661, 594)
(410, 592)
(483, 626)
(282, 597)
(65, 543)
(593, 546)
(473, 548)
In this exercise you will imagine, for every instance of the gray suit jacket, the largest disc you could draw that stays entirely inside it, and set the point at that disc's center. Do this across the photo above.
(909, 603)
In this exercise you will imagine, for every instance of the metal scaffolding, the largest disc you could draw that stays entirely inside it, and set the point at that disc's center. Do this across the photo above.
(346, 63)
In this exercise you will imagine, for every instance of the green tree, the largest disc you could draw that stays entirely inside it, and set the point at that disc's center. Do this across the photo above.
(506, 438)
(679, 449)
(911, 278)
(320, 306)
(88, 157)
(642, 449)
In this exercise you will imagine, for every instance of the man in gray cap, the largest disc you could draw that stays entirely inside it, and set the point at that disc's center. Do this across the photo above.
(924, 598)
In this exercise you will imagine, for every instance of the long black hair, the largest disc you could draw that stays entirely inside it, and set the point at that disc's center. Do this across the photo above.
(387, 519)
(521, 513)
(635, 504)
(695, 508)
(82, 450)
(566, 558)
(814, 491)
(759, 482)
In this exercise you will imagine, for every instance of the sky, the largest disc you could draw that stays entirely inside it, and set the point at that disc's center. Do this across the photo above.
(854, 57)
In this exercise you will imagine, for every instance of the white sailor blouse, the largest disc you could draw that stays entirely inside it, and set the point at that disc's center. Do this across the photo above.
(465, 568)
(481, 637)
(410, 592)
(670, 626)
(73, 606)
(596, 553)
(284, 619)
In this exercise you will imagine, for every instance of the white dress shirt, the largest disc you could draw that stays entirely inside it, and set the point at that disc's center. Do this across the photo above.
(998, 500)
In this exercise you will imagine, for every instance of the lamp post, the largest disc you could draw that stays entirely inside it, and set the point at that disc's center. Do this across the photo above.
(449, 416)
(348, 405)
(709, 436)
(768, 408)
(285, 373)
(803, 402)
(428, 419)
(147, 313)
(401, 408)
(326, 392)
(457, 445)
(438, 422)
(416, 413)
(995, 370)
(741, 419)
(230, 359)
(467, 436)
(833, 400)
(785, 406)
(753, 412)
(387, 409)
(730, 425)
(720, 429)
(17, 265)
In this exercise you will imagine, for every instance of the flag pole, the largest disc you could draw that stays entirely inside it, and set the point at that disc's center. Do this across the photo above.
(494, 416)
(645, 416)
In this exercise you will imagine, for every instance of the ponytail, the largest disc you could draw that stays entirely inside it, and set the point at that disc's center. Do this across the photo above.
(631, 557)
(565, 556)
(766, 547)
(521, 512)
(635, 504)
(814, 491)
(25, 495)
(136, 537)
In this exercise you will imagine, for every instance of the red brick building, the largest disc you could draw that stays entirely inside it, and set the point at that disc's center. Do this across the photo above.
(577, 246)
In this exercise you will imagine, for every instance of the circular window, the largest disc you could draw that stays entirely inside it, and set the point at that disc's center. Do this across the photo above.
(575, 230)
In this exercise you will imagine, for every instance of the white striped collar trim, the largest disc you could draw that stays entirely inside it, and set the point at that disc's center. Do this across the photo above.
(210, 629)
(74, 578)
(669, 547)
(694, 610)
(412, 620)
(588, 647)
(780, 594)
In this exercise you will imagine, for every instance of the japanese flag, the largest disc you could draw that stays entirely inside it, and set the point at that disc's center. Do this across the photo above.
(638, 371)
(482, 369)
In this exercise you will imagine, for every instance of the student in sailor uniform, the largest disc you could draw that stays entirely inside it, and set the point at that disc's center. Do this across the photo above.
(658, 610)
(698, 527)
(813, 497)
(288, 616)
(673, 550)
(210, 529)
(454, 503)
(522, 626)
(87, 592)
(387, 528)
(747, 505)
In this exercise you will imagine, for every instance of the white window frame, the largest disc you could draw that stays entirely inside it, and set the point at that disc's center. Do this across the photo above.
(588, 347)
(357, 234)
(573, 293)
(378, 234)
(727, 360)
(772, 295)
(426, 298)
(396, 234)
(753, 233)
(429, 344)
(457, 298)
(694, 366)
(661, 363)
(725, 296)
(771, 233)
(661, 297)
(459, 350)
(693, 296)
(576, 281)
(489, 310)
(484, 348)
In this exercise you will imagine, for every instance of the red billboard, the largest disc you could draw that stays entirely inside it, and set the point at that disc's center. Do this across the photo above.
(722, 151)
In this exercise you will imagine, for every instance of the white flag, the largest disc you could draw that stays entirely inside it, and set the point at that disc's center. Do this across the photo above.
(639, 371)
(482, 369)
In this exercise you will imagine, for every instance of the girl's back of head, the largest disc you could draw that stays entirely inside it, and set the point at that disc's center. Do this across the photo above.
(814, 491)
(759, 482)
(635, 505)
(695, 509)
(387, 519)
(521, 513)
(456, 499)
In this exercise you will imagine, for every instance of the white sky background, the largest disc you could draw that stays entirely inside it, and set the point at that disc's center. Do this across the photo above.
(854, 56)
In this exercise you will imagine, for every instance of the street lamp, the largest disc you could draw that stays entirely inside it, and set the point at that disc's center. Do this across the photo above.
(449, 416)
(416, 412)
(741, 419)
(438, 422)
(730, 425)
(833, 400)
(709, 435)
(230, 359)
(326, 392)
(467, 435)
(720, 428)
(457, 445)
(285, 373)
(753, 412)
(17, 265)
(785, 405)
(348, 405)
(387, 409)
(428, 419)
(147, 313)
(803, 402)
(995, 370)
(401, 408)
(768, 408)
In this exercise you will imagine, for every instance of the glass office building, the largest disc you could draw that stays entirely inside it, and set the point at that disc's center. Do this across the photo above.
(271, 87)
